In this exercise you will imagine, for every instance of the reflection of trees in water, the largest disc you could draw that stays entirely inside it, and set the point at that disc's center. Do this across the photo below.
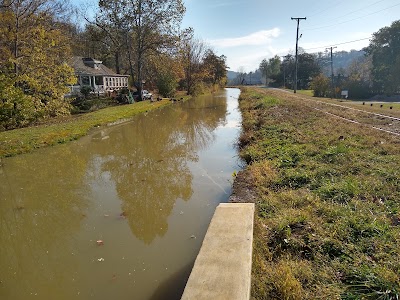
(41, 208)
(42, 195)
(148, 161)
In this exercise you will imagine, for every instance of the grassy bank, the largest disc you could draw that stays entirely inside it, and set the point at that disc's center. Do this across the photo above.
(327, 195)
(63, 130)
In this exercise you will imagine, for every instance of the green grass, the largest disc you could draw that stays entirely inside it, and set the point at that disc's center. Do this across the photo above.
(60, 131)
(327, 208)
(306, 92)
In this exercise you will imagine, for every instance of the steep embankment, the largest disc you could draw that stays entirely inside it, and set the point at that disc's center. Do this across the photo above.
(327, 196)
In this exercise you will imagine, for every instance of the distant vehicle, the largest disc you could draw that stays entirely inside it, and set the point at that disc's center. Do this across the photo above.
(146, 95)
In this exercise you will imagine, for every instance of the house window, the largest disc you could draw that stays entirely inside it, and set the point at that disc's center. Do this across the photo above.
(85, 80)
(99, 80)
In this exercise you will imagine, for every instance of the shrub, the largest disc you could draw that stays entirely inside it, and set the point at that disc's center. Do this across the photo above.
(320, 85)
(85, 91)
(166, 84)
(16, 108)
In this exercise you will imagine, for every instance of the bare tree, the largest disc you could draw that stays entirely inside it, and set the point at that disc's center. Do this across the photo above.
(193, 52)
(144, 27)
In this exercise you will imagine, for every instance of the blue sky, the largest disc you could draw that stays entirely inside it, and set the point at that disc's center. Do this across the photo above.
(246, 31)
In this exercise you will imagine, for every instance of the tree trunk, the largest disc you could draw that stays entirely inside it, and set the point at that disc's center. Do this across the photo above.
(16, 40)
(117, 68)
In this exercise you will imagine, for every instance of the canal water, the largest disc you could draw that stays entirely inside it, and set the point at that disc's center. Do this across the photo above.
(121, 213)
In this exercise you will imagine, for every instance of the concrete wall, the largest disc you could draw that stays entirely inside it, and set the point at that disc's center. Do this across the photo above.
(223, 267)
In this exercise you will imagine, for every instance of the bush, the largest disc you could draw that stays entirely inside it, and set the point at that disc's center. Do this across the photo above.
(16, 108)
(358, 89)
(320, 85)
(85, 91)
(198, 88)
(166, 84)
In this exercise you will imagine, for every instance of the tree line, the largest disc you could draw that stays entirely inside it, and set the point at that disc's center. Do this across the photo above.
(373, 71)
(141, 38)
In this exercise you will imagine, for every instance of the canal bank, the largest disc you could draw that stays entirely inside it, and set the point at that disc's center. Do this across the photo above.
(122, 212)
(326, 194)
(65, 129)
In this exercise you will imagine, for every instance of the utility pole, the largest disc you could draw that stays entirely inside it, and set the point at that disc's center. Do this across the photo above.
(297, 50)
(284, 70)
(332, 78)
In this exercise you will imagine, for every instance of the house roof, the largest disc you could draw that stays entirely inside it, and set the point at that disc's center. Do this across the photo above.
(93, 67)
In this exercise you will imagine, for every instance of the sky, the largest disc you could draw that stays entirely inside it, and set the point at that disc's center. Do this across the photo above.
(247, 31)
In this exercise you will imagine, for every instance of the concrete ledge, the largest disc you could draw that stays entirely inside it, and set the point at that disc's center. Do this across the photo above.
(223, 267)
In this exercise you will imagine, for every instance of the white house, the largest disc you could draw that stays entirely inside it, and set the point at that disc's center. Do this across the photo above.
(92, 72)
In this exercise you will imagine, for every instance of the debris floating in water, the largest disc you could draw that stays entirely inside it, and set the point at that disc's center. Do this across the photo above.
(100, 259)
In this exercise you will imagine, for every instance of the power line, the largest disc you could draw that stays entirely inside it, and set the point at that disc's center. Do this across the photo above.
(324, 10)
(327, 26)
(352, 12)
(339, 44)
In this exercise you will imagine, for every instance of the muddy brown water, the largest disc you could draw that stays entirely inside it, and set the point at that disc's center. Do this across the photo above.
(121, 213)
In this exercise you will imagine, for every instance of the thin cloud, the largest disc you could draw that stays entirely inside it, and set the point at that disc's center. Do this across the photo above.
(225, 3)
(254, 39)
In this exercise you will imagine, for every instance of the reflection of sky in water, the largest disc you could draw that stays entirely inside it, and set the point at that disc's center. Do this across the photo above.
(147, 189)
(231, 124)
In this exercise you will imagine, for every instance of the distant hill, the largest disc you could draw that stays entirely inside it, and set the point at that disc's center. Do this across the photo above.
(341, 60)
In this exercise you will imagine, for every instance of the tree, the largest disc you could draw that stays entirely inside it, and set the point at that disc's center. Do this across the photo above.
(240, 78)
(193, 52)
(359, 78)
(270, 68)
(114, 24)
(33, 59)
(16, 108)
(308, 69)
(320, 84)
(167, 72)
(147, 26)
(384, 49)
(216, 68)
(264, 69)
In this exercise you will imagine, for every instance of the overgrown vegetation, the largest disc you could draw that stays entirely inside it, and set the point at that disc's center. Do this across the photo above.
(327, 202)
